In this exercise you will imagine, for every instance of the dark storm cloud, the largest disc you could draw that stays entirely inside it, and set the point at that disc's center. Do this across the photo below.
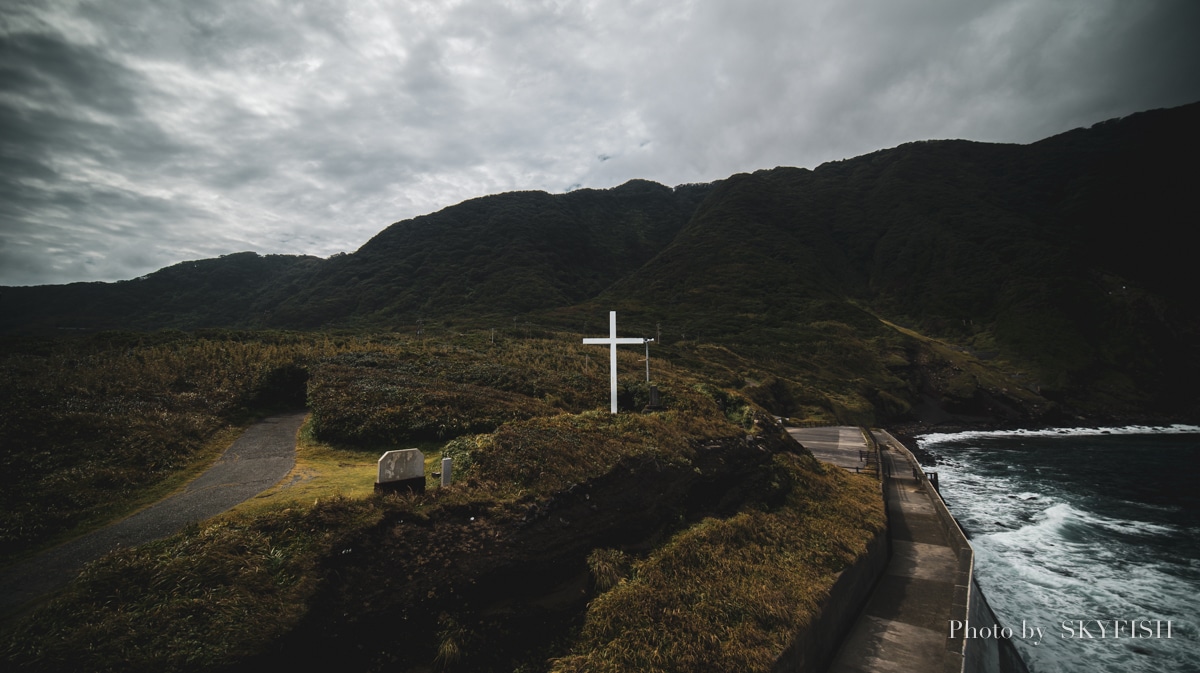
(66, 110)
(136, 134)
(802, 83)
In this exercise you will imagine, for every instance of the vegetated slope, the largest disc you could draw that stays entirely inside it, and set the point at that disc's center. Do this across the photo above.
(497, 571)
(1063, 256)
(498, 255)
(1065, 253)
(229, 291)
(749, 252)
(91, 421)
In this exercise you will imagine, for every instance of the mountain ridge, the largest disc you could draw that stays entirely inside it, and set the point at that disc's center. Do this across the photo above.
(1048, 255)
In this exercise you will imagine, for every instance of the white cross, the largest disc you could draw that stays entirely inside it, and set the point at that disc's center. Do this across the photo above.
(612, 342)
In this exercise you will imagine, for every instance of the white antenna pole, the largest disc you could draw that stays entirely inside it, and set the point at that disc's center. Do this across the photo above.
(648, 359)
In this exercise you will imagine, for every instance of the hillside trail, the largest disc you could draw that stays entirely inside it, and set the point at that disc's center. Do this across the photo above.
(255, 461)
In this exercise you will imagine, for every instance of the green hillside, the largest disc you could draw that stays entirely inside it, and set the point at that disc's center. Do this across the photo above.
(942, 283)
(230, 291)
(494, 256)
(554, 504)
(1063, 258)
(1055, 269)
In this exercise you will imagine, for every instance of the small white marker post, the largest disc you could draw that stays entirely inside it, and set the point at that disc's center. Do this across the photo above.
(648, 342)
(612, 341)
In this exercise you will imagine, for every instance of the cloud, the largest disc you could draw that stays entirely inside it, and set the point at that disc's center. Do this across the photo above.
(137, 134)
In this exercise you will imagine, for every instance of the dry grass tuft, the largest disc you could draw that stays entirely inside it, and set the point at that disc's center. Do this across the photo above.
(609, 567)
(730, 595)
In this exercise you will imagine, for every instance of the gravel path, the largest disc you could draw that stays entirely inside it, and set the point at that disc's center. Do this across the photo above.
(257, 460)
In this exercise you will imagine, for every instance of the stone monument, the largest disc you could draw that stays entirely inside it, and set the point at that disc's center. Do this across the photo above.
(401, 471)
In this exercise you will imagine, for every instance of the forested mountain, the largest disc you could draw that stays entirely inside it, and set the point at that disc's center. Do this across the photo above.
(1068, 254)
(1065, 258)
(231, 290)
(499, 255)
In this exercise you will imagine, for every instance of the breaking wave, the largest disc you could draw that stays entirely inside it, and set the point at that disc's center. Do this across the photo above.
(1078, 526)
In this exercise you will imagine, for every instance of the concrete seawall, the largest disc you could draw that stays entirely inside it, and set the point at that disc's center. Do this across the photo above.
(814, 647)
(891, 611)
(977, 655)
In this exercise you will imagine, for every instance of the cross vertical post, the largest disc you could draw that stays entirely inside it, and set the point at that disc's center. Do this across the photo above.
(612, 341)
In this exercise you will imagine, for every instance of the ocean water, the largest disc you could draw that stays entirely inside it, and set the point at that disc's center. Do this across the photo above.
(1093, 528)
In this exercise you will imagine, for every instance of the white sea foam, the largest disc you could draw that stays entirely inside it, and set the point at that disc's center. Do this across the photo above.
(1060, 567)
(1043, 556)
(1115, 525)
(935, 438)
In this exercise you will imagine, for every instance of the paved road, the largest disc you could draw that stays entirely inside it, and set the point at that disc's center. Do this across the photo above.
(257, 460)
(839, 445)
(903, 627)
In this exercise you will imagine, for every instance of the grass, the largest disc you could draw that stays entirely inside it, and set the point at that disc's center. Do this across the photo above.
(961, 374)
(324, 470)
(545, 455)
(609, 567)
(731, 594)
(96, 425)
(234, 586)
(207, 597)
(101, 516)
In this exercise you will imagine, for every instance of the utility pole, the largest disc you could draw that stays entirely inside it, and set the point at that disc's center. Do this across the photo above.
(648, 341)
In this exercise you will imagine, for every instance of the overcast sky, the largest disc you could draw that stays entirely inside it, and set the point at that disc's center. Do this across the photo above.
(135, 134)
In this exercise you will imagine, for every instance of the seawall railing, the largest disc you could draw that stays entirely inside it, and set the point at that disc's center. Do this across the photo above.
(977, 655)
